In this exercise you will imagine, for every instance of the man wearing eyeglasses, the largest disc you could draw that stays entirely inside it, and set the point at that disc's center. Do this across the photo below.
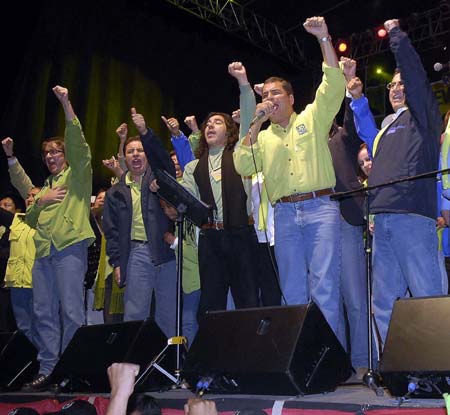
(60, 216)
(405, 254)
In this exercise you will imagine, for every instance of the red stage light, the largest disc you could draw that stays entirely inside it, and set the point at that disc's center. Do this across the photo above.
(381, 32)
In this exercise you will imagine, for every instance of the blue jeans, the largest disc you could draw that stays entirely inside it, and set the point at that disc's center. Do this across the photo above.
(22, 305)
(443, 270)
(307, 253)
(354, 293)
(190, 308)
(58, 293)
(142, 279)
(405, 256)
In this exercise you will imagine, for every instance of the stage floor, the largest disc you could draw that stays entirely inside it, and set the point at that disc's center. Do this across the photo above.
(346, 399)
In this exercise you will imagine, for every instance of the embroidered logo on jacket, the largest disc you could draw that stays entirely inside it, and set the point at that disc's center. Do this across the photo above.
(394, 129)
(301, 129)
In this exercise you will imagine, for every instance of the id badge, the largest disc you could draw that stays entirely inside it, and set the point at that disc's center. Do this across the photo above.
(217, 174)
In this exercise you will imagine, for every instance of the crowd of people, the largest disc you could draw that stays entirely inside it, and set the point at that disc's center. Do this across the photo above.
(276, 234)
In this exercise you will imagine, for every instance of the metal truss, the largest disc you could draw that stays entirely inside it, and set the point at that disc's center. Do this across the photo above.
(425, 30)
(238, 20)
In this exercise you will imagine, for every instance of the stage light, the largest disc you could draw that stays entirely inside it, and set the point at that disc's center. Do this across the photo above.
(342, 46)
(381, 32)
(379, 71)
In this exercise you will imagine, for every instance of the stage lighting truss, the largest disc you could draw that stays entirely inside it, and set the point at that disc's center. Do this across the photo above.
(426, 31)
(242, 22)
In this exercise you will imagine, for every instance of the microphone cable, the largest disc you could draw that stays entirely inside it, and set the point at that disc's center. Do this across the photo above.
(264, 220)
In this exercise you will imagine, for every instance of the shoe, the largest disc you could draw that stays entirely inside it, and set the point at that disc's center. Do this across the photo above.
(360, 372)
(357, 376)
(39, 384)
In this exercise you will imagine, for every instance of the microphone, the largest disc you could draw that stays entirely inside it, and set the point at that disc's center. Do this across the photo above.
(439, 66)
(261, 114)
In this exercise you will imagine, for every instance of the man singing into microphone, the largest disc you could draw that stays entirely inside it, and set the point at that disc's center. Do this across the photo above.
(293, 154)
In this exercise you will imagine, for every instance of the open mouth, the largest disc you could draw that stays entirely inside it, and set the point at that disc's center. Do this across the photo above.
(51, 165)
(397, 96)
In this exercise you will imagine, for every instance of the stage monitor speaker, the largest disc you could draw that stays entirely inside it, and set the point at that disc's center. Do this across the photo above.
(416, 359)
(18, 361)
(83, 365)
(288, 350)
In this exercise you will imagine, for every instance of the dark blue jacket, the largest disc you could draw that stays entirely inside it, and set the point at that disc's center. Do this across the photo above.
(410, 145)
(118, 211)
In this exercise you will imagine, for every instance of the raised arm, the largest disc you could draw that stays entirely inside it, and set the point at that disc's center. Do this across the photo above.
(157, 155)
(194, 137)
(121, 379)
(19, 178)
(122, 132)
(247, 101)
(63, 97)
(318, 28)
(331, 91)
(113, 166)
(179, 141)
(366, 127)
(77, 150)
(420, 98)
(350, 135)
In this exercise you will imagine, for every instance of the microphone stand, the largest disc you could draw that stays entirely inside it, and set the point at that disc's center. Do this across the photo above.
(188, 207)
(372, 378)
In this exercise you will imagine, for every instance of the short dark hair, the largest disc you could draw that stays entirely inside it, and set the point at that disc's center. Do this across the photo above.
(143, 404)
(286, 85)
(101, 190)
(130, 140)
(13, 199)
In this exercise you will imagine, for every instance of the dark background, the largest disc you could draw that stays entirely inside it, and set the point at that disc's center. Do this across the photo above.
(151, 55)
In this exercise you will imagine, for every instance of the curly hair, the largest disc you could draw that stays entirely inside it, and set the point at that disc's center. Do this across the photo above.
(232, 133)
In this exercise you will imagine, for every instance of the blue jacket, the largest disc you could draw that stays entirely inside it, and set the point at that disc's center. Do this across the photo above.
(183, 149)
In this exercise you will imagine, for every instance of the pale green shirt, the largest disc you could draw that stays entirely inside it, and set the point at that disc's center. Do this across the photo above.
(137, 223)
(296, 159)
(215, 178)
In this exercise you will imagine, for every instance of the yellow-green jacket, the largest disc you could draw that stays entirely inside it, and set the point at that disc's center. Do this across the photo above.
(22, 253)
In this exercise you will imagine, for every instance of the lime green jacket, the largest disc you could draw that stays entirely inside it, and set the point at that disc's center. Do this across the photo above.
(21, 255)
(65, 223)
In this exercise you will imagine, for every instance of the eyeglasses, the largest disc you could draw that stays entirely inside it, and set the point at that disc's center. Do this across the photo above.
(52, 152)
(392, 85)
